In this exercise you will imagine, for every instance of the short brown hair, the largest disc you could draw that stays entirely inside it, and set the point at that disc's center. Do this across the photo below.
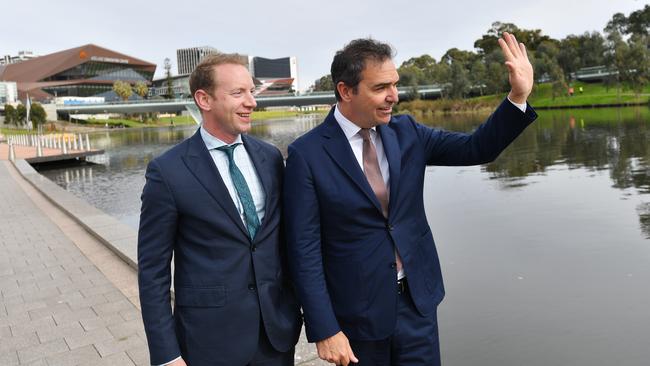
(203, 75)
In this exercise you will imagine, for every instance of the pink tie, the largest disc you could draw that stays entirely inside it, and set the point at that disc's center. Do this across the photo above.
(375, 179)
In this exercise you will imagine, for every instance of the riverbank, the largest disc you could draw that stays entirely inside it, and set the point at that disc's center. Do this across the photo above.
(87, 239)
(94, 125)
(593, 95)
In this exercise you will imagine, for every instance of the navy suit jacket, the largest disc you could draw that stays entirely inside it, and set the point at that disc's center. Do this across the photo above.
(223, 280)
(340, 246)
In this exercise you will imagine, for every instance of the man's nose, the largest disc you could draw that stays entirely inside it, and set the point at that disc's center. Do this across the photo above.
(250, 101)
(393, 95)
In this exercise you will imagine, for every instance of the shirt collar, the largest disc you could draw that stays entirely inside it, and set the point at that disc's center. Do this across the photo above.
(349, 128)
(212, 142)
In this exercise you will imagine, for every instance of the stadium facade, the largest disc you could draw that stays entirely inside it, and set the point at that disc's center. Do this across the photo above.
(85, 71)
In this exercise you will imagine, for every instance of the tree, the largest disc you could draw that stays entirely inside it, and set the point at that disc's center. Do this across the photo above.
(410, 75)
(21, 114)
(638, 22)
(478, 75)
(37, 114)
(559, 86)
(497, 75)
(10, 114)
(616, 51)
(618, 24)
(489, 41)
(168, 82)
(141, 89)
(455, 55)
(122, 89)
(637, 64)
(459, 84)
(421, 68)
(546, 61)
(325, 83)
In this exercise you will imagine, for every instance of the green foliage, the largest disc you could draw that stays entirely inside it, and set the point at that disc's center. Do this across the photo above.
(325, 83)
(21, 114)
(10, 115)
(459, 85)
(37, 114)
(122, 89)
(141, 89)
(532, 38)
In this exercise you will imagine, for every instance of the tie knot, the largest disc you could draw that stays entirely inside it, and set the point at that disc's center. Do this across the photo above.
(228, 149)
(365, 133)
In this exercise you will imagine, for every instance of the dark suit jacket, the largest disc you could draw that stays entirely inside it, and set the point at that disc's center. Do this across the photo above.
(223, 281)
(340, 246)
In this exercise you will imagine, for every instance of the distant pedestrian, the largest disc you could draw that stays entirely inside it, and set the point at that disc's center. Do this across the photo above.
(571, 91)
(581, 90)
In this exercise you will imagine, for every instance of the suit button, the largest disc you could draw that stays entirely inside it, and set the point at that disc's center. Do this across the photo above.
(393, 265)
(253, 248)
(389, 227)
(251, 287)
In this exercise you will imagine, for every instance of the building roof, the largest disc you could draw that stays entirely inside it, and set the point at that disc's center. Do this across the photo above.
(41, 67)
(29, 74)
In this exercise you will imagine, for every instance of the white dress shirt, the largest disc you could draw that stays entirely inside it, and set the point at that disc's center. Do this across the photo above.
(351, 132)
(245, 165)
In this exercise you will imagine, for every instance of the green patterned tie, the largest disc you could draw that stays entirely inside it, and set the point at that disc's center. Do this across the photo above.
(245, 197)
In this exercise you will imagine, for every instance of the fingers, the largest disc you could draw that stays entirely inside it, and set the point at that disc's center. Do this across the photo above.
(506, 50)
(353, 358)
(522, 48)
(513, 44)
(336, 349)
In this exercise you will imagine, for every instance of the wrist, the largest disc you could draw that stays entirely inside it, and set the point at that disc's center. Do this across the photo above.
(517, 98)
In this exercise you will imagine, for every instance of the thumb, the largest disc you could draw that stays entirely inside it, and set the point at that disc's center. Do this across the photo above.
(510, 66)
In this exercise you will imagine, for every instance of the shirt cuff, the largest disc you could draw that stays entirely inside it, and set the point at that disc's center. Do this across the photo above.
(521, 107)
(167, 363)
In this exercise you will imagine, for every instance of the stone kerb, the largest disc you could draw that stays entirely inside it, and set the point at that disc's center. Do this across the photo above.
(117, 236)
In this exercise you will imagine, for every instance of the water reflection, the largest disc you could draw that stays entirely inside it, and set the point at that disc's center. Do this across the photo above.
(545, 251)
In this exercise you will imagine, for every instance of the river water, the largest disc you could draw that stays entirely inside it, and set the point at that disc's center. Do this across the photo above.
(545, 252)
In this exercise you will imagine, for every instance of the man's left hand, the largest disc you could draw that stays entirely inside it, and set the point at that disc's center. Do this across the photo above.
(520, 71)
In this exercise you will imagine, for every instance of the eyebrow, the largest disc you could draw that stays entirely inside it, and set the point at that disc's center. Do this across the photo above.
(385, 84)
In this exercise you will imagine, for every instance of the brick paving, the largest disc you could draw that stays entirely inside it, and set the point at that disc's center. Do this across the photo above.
(65, 298)
(56, 306)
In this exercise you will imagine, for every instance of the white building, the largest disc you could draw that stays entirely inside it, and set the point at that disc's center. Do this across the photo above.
(188, 58)
(22, 56)
(8, 92)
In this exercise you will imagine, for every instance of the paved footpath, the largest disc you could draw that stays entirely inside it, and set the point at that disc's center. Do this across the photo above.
(56, 306)
(66, 299)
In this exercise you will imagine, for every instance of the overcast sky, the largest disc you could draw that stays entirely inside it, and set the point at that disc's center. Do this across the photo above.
(310, 30)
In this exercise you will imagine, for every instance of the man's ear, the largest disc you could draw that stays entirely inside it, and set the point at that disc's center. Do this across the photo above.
(202, 100)
(344, 91)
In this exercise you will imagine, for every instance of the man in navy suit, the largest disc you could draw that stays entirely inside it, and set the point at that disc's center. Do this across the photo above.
(360, 249)
(213, 202)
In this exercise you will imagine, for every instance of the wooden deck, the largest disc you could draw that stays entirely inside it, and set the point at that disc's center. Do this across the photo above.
(29, 153)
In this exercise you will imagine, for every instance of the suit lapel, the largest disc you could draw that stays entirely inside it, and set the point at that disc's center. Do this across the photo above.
(338, 148)
(200, 163)
(394, 156)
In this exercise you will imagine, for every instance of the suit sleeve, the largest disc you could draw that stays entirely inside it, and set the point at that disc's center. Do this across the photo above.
(303, 232)
(158, 220)
(480, 147)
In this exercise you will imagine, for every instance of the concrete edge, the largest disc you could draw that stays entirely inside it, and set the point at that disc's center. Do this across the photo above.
(104, 227)
(95, 221)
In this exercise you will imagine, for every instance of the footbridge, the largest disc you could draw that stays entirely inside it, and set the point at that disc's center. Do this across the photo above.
(180, 105)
